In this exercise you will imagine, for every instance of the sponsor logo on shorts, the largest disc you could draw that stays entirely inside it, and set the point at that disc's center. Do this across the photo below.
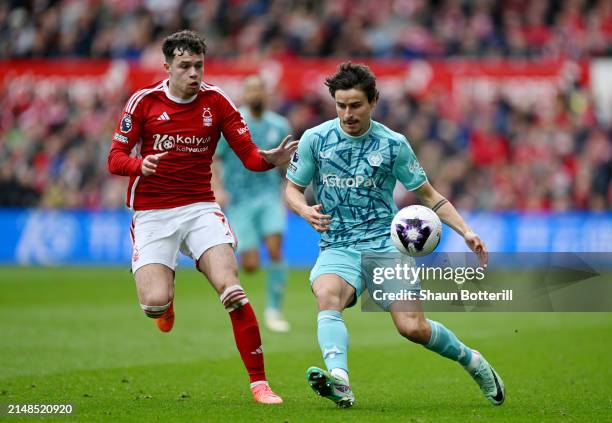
(120, 138)
(126, 123)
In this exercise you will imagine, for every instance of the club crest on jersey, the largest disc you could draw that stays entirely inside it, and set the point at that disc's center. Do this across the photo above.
(375, 159)
(126, 123)
(207, 116)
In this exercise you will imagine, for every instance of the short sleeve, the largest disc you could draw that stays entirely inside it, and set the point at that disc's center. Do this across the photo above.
(407, 168)
(301, 168)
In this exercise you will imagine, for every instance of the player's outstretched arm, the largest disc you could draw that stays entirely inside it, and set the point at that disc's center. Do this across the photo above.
(294, 194)
(449, 215)
(280, 155)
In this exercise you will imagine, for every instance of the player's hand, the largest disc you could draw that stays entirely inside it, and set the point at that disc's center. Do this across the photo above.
(282, 154)
(149, 164)
(320, 222)
(478, 246)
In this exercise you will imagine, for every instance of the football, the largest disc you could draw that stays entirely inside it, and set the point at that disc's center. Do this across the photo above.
(416, 230)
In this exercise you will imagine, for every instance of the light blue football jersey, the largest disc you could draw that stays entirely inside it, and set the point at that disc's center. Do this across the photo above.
(354, 178)
(242, 184)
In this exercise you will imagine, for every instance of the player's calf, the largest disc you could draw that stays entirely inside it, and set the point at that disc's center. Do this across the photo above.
(414, 329)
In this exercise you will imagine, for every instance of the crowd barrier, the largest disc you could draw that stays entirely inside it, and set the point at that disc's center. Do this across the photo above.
(36, 237)
(460, 81)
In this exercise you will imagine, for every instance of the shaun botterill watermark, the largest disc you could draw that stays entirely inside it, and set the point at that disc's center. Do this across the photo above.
(510, 282)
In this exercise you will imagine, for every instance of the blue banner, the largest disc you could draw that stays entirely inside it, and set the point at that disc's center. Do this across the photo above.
(60, 237)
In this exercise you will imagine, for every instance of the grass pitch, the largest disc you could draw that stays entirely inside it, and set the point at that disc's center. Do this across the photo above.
(78, 336)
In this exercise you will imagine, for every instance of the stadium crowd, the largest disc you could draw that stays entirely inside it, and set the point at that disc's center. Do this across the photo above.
(342, 28)
(54, 136)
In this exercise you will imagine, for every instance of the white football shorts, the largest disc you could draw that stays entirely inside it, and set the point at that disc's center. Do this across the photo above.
(159, 235)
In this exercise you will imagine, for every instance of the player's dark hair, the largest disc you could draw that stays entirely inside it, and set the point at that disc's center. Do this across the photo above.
(183, 41)
(356, 76)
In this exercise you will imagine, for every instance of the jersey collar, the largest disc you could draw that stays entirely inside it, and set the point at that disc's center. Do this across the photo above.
(351, 137)
(177, 99)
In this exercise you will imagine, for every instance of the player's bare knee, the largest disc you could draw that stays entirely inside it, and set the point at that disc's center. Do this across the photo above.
(154, 297)
(249, 261)
(275, 255)
(250, 266)
(328, 299)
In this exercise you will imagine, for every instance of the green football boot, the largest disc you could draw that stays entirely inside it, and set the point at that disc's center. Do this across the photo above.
(491, 385)
(333, 388)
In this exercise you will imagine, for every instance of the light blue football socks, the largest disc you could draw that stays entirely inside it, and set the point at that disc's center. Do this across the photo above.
(445, 343)
(333, 339)
(275, 288)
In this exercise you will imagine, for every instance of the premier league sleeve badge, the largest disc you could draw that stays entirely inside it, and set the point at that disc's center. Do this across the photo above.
(126, 123)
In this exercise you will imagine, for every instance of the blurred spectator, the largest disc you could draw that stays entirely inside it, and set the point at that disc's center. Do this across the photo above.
(54, 137)
(340, 28)
(506, 154)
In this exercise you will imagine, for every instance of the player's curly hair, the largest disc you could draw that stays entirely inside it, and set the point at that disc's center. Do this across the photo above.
(351, 75)
(183, 41)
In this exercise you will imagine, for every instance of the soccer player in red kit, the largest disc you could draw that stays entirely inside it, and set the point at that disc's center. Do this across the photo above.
(165, 142)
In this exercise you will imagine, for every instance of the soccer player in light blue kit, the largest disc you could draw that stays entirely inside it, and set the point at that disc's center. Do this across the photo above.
(353, 163)
(254, 202)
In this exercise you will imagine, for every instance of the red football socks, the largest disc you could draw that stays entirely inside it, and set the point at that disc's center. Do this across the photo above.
(246, 331)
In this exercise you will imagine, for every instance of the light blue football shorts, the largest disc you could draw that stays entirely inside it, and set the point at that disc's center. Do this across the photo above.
(346, 263)
(253, 221)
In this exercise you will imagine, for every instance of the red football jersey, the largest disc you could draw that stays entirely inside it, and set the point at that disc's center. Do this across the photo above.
(153, 121)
